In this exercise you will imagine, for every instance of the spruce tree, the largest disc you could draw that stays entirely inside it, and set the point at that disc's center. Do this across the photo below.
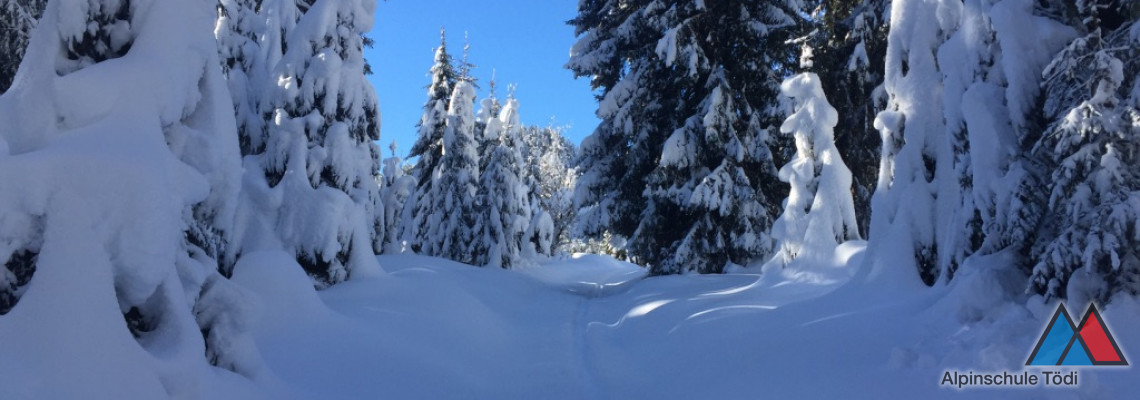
(657, 171)
(244, 64)
(160, 238)
(850, 44)
(819, 213)
(488, 128)
(320, 146)
(395, 190)
(1088, 248)
(429, 145)
(957, 179)
(914, 161)
(17, 18)
(449, 222)
(616, 50)
(552, 175)
(108, 36)
(503, 195)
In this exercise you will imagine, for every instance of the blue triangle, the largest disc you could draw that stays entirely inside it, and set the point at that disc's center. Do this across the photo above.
(1055, 341)
(1077, 354)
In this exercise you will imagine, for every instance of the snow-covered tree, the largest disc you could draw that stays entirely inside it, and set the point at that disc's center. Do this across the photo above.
(850, 42)
(396, 189)
(819, 213)
(712, 191)
(1089, 248)
(913, 161)
(130, 216)
(615, 50)
(448, 224)
(320, 146)
(429, 144)
(487, 130)
(721, 211)
(503, 195)
(239, 30)
(17, 18)
(963, 83)
(552, 176)
(658, 64)
(109, 37)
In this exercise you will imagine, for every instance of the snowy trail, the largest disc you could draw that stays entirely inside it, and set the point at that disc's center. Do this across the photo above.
(594, 328)
(590, 278)
(433, 326)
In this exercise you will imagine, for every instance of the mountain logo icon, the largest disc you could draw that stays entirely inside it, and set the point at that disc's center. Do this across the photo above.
(1087, 344)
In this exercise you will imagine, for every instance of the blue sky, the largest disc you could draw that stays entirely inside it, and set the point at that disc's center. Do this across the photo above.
(526, 42)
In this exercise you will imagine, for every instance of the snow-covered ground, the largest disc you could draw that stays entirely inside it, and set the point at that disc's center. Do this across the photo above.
(590, 327)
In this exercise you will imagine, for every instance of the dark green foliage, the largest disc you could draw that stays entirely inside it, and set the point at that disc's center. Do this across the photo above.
(17, 18)
(109, 38)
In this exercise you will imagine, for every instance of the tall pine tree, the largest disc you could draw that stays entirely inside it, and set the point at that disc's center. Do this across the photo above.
(448, 226)
(668, 170)
(616, 50)
(429, 144)
(503, 194)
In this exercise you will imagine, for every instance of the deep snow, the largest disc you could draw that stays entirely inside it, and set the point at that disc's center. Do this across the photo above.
(591, 327)
(584, 327)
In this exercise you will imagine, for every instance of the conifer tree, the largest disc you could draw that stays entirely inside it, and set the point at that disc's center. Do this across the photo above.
(850, 42)
(244, 64)
(503, 195)
(320, 145)
(657, 171)
(159, 243)
(1088, 245)
(396, 189)
(429, 144)
(109, 36)
(551, 174)
(17, 18)
(819, 213)
(638, 180)
(448, 225)
(616, 50)
(913, 161)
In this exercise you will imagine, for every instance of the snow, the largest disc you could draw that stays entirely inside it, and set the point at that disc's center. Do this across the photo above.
(586, 326)
(593, 327)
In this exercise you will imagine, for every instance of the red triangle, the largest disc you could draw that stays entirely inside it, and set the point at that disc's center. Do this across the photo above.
(1100, 344)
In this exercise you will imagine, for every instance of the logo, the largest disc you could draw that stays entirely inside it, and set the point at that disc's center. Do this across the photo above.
(1087, 344)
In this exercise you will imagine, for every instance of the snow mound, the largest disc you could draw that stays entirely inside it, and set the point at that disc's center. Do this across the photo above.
(280, 286)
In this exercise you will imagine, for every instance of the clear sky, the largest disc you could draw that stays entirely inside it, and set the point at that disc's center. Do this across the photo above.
(526, 42)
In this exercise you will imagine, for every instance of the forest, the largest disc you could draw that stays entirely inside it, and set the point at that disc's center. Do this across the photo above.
(195, 202)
